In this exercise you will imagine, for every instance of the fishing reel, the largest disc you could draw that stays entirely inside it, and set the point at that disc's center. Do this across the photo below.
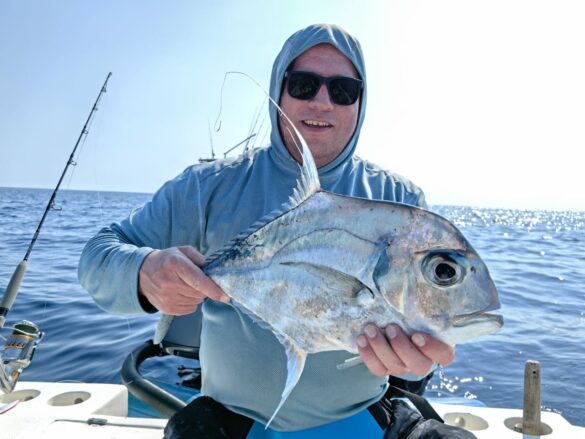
(17, 353)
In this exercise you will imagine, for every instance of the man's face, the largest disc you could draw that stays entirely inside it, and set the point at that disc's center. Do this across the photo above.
(327, 127)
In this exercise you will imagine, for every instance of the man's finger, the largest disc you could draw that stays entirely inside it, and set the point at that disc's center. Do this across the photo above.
(408, 352)
(383, 350)
(186, 297)
(211, 289)
(370, 359)
(180, 310)
(193, 255)
(193, 276)
(436, 350)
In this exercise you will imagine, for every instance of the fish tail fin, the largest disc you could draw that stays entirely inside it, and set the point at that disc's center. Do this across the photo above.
(295, 364)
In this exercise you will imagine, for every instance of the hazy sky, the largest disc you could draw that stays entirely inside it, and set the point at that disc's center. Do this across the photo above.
(478, 102)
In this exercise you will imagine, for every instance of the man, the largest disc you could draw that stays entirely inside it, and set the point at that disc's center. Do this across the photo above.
(151, 261)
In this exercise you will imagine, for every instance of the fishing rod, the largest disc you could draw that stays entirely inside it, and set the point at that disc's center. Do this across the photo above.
(251, 136)
(20, 346)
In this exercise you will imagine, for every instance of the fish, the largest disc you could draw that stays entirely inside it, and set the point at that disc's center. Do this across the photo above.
(323, 266)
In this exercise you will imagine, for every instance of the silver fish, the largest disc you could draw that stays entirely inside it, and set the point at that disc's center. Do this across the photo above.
(325, 265)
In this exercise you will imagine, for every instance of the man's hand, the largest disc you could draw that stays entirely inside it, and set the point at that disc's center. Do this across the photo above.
(391, 352)
(174, 283)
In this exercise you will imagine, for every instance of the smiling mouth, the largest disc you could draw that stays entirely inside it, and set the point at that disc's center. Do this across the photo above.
(316, 124)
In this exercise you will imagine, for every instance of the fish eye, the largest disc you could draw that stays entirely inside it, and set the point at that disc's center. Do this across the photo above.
(441, 269)
(444, 271)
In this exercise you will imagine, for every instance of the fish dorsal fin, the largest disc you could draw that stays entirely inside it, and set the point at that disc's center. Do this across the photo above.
(307, 184)
(217, 256)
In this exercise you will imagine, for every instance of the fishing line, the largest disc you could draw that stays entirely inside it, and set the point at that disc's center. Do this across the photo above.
(210, 139)
(254, 122)
(96, 141)
(261, 129)
(80, 152)
(280, 111)
(265, 132)
(73, 163)
(218, 123)
(254, 125)
(44, 313)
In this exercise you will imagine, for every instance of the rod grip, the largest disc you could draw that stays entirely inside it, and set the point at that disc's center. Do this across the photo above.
(11, 291)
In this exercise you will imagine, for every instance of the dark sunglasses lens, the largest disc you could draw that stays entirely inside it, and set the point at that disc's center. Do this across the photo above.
(344, 91)
(303, 85)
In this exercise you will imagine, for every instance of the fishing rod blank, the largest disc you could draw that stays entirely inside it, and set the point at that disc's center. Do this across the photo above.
(16, 279)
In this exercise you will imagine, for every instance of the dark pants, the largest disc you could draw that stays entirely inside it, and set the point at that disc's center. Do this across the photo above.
(207, 419)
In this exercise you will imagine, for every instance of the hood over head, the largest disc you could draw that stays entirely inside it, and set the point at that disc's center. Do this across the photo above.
(297, 44)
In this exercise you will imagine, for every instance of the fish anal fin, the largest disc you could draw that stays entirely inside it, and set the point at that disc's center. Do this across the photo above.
(295, 363)
(162, 328)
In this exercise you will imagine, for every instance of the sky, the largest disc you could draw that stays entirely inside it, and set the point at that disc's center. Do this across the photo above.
(480, 103)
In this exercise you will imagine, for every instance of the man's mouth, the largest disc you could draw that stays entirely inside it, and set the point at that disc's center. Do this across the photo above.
(316, 123)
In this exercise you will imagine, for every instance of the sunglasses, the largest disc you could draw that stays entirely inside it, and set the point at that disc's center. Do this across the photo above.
(305, 85)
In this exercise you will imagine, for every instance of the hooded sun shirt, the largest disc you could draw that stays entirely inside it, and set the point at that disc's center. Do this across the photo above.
(244, 366)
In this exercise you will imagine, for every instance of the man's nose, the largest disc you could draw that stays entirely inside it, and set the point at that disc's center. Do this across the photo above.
(322, 99)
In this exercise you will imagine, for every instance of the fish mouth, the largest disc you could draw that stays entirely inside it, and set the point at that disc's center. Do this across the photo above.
(465, 327)
(478, 318)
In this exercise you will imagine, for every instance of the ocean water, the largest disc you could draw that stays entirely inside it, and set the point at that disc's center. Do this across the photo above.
(537, 259)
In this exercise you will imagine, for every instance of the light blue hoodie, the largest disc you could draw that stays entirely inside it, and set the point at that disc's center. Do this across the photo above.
(244, 366)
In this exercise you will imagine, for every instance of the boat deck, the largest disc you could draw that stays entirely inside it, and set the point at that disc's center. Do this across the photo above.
(73, 410)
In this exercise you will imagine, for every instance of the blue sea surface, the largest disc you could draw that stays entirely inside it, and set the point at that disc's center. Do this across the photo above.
(537, 259)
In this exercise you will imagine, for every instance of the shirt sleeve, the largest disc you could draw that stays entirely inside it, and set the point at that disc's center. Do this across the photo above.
(111, 260)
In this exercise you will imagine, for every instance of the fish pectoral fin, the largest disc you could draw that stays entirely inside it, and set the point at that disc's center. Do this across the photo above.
(338, 282)
(295, 364)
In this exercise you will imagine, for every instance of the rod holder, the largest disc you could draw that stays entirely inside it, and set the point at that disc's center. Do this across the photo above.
(529, 424)
(531, 410)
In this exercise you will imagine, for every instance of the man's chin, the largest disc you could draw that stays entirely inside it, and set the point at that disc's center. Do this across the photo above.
(320, 149)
